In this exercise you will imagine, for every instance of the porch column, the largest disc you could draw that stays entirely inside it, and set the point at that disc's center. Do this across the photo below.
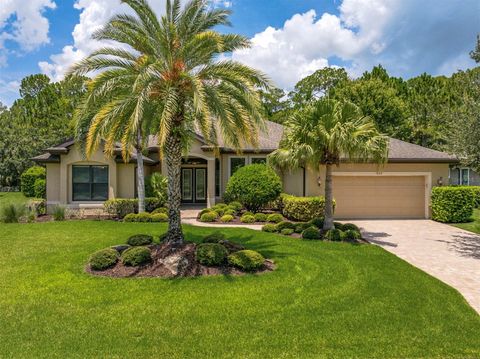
(211, 182)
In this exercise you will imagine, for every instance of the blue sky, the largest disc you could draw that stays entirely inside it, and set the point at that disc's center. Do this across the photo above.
(291, 38)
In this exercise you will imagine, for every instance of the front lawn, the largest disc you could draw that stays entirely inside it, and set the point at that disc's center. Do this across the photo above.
(324, 300)
(473, 226)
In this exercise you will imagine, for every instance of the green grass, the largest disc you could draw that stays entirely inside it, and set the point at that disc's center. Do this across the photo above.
(12, 197)
(473, 226)
(324, 300)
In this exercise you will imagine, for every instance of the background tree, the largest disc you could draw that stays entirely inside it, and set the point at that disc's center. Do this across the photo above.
(324, 132)
(475, 54)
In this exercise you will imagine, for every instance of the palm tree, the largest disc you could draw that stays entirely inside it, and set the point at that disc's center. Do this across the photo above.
(325, 133)
(169, 72)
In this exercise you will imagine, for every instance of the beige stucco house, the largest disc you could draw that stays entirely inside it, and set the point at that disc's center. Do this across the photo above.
(401, 190)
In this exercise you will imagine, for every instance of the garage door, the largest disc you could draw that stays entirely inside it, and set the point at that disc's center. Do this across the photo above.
(379, 196)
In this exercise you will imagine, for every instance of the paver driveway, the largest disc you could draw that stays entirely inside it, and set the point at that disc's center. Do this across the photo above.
(447, 253)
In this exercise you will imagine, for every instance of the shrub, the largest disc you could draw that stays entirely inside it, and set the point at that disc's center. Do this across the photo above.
(211, 254)
(28, 178)
(158, 217)
(120, 207)
(237, 206)
(103, 259)
(219, 209)
(300, 227)
(303, 208)
(452, 204)
(214, 238)
(39, 206)
(338, 225)
(140, 240)
(317, 222)
(287, 231)
(131, 217)
(226, 218)
(246, 218)
(351, 235)
(260, 217)
(151, 203)
(270, 228)
(143, 217)
(248, 213)
(136, 256)
(350, 227)
(40, 188)
(12, 213)
(334, 235)
(209, 217)
(246, 260)
(156, 186)
(311, 233)
(205, 210)
(230, 212)
(58, 213)
(285, 224)
(476, 195)
(274, 218)
(254, 186)
(161, 210)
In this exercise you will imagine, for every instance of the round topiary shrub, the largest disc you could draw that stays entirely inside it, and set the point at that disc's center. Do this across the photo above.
(220, 209)
(300, 227)
(351, 235)
(350, 226)
(205, 210)
(338, 225)
(209, 217)
(227, 218)
(214, 238)
(260, 217)
(285, 225)
(159, 217)
(162, 210)
(246, 218)
(230, 212)
(237, 206)
(103, 259)
(270, 228)
(246, 260)
(143, 217)
(334, 235)
(140, 240)
(248, 213)
(311, 233)
(317, 222)
(131, 217)
(287, 231)
(211, 254)
(136, 256)
(254, 186)
(274, 218)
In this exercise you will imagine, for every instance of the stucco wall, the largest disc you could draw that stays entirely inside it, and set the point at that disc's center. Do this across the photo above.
(53, 183)
(126, 180)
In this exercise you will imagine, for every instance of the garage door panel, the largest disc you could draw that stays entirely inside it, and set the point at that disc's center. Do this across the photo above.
(379, 196)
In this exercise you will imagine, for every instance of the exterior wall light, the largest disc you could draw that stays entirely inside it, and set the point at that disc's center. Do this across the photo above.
(440, 181)
(319, 181)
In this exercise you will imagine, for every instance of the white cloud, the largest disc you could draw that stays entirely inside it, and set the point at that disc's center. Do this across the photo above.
(8, 91)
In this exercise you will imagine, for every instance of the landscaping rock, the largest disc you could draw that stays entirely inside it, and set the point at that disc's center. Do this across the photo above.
(176, 263)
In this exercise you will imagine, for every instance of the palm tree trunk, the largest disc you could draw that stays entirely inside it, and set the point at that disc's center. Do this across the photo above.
(173, 156)
(328, 222)
(140, 174)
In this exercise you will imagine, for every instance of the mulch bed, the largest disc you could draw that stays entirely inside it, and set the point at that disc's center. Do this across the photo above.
(165, 264)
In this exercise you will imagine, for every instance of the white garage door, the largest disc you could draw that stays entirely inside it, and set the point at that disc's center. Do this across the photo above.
(379, 196)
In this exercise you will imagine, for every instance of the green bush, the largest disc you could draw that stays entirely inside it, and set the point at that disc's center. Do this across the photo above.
(237, 206)
(12, 212)
(317, 222)
(230, 212)
(311, 233)
(156, 186)
(28, 178)
(260, 217)
(350, 226)
(103, 259)
(334, 235)
(303, 208)
(219, 209)
(246, 218)
(287, 231)
(270, 228)
(452, 204)
(227, 218)
(351, 235)
(246, 260)
(248, 213)
(136, 256)
(161, 210)
(211, 254)
(58, 213)
(158, 218)
(140, 240)
(209, 217)
(476, 195)
(300, 227)
(254, 186)
(131, 217)
(214, 237)
(39, 206)
(338, 225)
(221, 205)
(285, 224)
(145, 217)
(274, 218)
(120, 207)
(205, 210)
(40, 188)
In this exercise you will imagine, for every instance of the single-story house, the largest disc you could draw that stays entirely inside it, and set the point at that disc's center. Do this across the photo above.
(401, 190)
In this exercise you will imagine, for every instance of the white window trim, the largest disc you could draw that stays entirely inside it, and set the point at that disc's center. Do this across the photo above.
(460, 176)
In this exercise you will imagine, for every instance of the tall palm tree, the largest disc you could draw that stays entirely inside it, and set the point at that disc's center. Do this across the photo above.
(168, 72)
(325, 133)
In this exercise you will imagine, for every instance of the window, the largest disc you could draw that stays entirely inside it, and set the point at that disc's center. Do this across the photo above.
(217, 177)
(259, 160)
(90, 183)
(236, 163)
(464, 177)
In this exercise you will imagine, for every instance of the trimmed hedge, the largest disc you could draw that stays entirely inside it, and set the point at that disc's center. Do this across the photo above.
(146, 217)
(28, 178)
(334, 235)
(136, 256)
(269, 228)
(351, 235)
(287, 231)
(274, 218)
(209, 217)
(452, 204)
(311, 233)
(254, 186)
(246, 260)
(260, 217)
(103, 259)
(227, 218)
(120, 207)
(303, 208)
(246, 218)
(211, 254)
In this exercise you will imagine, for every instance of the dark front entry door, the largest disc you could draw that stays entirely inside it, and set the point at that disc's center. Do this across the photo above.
(194, 185)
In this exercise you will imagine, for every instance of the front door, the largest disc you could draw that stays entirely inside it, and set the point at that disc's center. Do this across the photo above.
(194, 185)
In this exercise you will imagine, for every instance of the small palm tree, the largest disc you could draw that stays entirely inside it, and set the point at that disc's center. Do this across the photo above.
(167, 73)
(325, 133)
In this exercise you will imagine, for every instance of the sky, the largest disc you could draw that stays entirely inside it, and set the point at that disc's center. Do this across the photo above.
(290, 38)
